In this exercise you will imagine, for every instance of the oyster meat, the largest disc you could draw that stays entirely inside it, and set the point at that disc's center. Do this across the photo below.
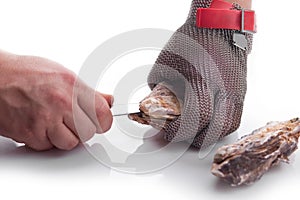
(161, 106)
(248, 159)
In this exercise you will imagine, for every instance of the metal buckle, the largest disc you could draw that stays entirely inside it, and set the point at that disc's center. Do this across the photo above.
(243, 23)
(239, 37)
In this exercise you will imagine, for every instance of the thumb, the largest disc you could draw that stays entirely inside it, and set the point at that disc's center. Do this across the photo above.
(109, 98)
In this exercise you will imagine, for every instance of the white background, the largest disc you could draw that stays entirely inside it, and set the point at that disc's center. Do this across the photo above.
(68, 31)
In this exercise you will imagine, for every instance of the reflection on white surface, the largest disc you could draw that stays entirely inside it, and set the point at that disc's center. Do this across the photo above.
(188, 175)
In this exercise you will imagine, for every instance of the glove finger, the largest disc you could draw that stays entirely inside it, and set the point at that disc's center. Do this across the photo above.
(195, 115)
(226, 119)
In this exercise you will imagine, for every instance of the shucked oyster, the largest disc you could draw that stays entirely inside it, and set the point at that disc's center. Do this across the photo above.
(158, 108)
(247, 160)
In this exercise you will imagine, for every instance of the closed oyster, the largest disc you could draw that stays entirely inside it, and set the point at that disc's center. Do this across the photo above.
(252, 156)
(160, 107)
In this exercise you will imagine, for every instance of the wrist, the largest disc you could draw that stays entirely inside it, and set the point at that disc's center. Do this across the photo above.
(247, 4)
(196, 4)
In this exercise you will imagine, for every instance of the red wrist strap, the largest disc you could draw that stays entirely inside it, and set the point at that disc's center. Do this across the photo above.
(222, 15)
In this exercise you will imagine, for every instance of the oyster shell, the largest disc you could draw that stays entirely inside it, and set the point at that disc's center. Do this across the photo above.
(252, 156)
(161, 106)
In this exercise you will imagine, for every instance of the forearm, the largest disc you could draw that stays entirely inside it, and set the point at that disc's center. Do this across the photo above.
(206, 3)
(247, 4)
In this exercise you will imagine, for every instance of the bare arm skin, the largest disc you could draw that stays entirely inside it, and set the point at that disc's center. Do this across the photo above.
(247, 4)
(36, 104)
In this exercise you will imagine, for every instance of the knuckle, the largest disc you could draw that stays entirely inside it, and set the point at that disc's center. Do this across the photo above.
(102, 107)
(43, 115)
(68, 78)
(60, 100)
(37, 141)
(87, 136)
(100, 110)
(27, 135)
(71, 144)
(38, 146)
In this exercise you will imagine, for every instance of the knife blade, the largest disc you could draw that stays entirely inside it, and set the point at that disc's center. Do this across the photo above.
(119, 110)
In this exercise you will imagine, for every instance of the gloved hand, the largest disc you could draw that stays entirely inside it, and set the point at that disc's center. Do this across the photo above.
(210, 71)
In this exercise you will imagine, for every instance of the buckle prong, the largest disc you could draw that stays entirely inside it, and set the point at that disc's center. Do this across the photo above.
(243, 22)
(239, 37)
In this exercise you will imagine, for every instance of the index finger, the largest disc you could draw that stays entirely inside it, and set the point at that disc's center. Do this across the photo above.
(95, 106)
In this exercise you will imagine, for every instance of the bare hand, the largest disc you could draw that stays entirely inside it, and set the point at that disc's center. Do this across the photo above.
(39, 100)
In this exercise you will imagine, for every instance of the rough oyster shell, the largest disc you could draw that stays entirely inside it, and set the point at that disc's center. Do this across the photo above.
(247, 160)
(161, 106)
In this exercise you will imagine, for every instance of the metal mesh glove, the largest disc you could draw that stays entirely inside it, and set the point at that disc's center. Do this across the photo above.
(210, 72)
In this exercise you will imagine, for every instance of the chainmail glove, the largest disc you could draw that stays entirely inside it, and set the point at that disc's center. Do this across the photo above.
(210, 71)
